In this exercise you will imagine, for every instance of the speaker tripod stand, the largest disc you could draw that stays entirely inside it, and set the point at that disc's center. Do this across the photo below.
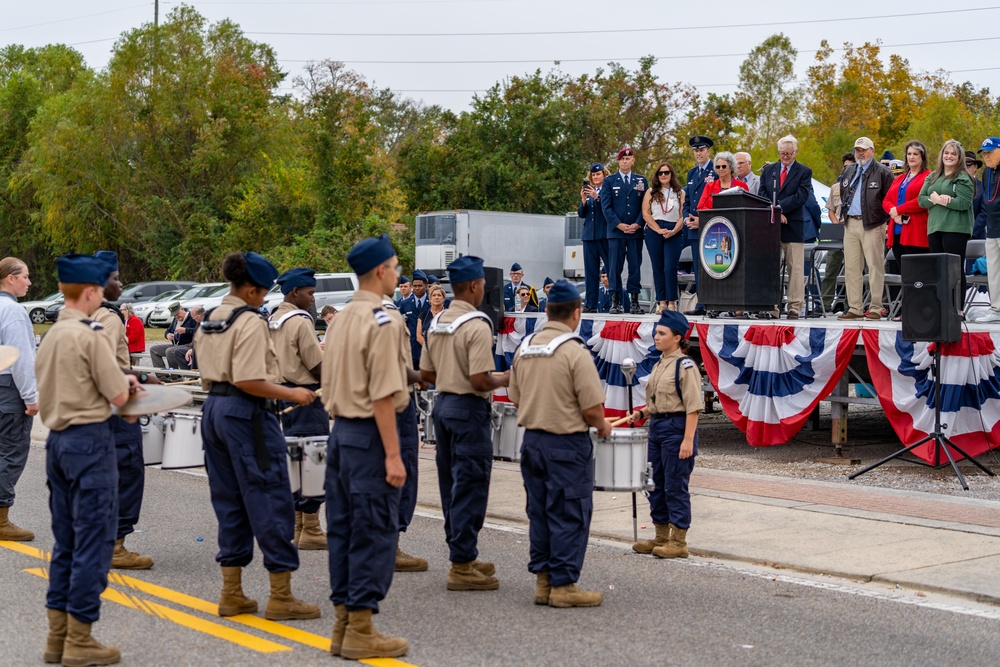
(941, 442)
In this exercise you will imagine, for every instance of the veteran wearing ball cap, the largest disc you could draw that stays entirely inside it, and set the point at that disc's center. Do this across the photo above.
(559, 396)
(990, 151)
(621, 199)
(701, 173)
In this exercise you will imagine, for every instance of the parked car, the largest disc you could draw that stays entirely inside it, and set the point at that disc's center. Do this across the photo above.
(139, 292)
(36, 309)
(161, 315)
(332, 289)
(144, 308)
(52, 310)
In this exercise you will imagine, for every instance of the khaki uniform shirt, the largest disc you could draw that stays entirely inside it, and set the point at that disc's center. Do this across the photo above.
(296, 345)
(661, 392)
(362, 362)
(551, 393)
(114, 332)
(243, 352)
(78, 374)
(469, 351)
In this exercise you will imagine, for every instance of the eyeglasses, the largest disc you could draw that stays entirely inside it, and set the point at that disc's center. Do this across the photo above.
(663, 173)
(788, 154)
(970, 164)
(722, 166)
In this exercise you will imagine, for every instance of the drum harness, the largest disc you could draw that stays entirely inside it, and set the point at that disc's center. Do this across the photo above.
(260, 405)
(276, 324)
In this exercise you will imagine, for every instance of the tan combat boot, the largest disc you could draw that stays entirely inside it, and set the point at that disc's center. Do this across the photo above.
(298, 528)
(312, 537)
(677, 546)
(233, 601)
(542, 588)
(363, 641)
(11, 531)
(82, 650)
(57, 636)
(465, 577)
(485, 567)
(571, 596)
(282, 605)
(123, 559)
(407, 563)
(661, 538)
(339, 628)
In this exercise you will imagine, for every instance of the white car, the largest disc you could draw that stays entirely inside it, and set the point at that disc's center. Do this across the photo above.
(162, 314)
(144, 308)
(36, 309)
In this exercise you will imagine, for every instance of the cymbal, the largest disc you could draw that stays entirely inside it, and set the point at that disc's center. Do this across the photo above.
(8, 356)
(151, 399)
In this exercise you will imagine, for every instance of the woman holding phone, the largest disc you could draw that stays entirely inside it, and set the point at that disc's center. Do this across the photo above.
(595, 234)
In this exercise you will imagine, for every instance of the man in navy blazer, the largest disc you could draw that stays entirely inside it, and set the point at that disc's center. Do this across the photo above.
(595, 234)
(621, 199)
(701, 173)
(412, 309)
(510, 289)
(790, 183)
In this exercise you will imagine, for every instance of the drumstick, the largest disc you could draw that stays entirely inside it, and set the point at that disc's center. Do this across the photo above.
(319, 394)
(618, 422)
(171, 384)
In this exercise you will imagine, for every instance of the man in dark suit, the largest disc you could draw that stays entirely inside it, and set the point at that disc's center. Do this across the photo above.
(510, 289)
(701, 173)
(412, 308)
(180, 332)
(790, 183)
(621, 200)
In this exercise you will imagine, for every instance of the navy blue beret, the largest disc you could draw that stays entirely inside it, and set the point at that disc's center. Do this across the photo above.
(562, 292)
(261, 272)
(596, 168)
(674, 321)
(369, 253)
(515, 267)
(109, 257)
(419, 275)
(86, 269)
(403, 280)
(297, 277)
(465, 268)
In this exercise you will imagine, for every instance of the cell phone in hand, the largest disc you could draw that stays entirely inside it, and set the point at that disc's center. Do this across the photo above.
(904, 219)
(586, 184)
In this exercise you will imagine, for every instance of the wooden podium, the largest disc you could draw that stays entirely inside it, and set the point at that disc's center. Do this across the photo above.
(739, 254)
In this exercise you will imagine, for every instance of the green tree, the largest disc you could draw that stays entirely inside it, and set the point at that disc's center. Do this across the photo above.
(768, 99)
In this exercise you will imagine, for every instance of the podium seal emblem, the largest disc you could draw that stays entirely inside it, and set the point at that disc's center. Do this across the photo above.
(719, 246)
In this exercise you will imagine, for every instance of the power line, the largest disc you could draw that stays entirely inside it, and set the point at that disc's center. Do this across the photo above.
(76, 18)
(949, 12)
(337, 2)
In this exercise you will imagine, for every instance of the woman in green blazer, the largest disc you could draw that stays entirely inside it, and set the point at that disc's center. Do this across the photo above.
(947, 195)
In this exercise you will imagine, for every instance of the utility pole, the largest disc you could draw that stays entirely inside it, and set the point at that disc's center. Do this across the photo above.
(156, 13)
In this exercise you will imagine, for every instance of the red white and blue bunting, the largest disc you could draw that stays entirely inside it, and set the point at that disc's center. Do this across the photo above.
(770, 378)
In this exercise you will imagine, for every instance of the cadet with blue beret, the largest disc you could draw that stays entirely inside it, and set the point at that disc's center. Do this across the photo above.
(412, 309)
(458, 360)
(673, 402)
(404, 290)
(245, 452)
(128, 434)
(546, 286)
(79, 380)
(558, 394)
(365, 389)
(293, 332)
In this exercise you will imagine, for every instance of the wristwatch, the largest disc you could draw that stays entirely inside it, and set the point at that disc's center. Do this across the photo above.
(143, 377)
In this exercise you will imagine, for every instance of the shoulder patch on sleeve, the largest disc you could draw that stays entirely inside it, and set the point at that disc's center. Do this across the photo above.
(389, 305)
(382, 317)
(687, 363)
(96, 326)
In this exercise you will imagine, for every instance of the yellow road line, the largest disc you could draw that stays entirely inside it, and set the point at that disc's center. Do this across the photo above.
(23, 548)
(184, 619)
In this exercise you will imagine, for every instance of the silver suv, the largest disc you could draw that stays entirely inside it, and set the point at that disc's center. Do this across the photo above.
(332, 289)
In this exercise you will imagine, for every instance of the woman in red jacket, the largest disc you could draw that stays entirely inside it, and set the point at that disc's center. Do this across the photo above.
(907, 218)
(135, 332)
(725, 167)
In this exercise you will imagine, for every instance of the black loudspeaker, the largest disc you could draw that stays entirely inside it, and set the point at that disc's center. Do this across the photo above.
(931, 298)
(493, 301)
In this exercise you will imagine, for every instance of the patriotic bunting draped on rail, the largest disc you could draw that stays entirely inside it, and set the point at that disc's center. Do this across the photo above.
(970, 390)
(769, 378)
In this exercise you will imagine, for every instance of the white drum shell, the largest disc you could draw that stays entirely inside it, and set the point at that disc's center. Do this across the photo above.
(507, 435)
(425, 409)
(313, 466)
(153, 433)
(182, 446)
(294, 464)
(620, 460)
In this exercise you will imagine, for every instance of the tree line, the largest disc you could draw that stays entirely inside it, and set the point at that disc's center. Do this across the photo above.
(183, 147)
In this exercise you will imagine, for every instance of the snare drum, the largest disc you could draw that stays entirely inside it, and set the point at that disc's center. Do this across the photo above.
(152, 438)
(620, 460)
(294, 464)
(507, 435)
(425, 411)
(182, 446)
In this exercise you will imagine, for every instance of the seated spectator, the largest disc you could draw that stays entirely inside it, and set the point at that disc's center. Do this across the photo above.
(135, 333)
(158, 353)
(177, 356)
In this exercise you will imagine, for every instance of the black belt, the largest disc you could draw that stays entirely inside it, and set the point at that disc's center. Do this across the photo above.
(260, 406)
(653, 416)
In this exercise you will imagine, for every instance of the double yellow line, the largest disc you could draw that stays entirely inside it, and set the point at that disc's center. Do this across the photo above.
(252, 642)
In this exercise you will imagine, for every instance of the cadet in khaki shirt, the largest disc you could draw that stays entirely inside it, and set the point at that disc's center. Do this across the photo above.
(245, 451)
(78, 382)
(458, 359)
(673, 402)
(293, 333)
(364, 388)
(128, 435)
(558, 394)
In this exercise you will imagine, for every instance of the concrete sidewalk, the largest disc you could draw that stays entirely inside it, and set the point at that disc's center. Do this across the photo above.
(918, 540)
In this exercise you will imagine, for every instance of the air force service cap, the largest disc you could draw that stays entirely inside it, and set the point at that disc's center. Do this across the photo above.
(108, 257)
(562, 292)
(403, 280)
(597, 167)
(260, 271)
(431, 279)
(84, 269)
(297, 277)
(369, 253)
(548, 281)
(700, 141)
(675, 322)
(419, 275)
(515, 267)
(466, 268)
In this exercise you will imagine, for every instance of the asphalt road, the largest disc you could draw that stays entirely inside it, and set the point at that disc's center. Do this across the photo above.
(695, 612)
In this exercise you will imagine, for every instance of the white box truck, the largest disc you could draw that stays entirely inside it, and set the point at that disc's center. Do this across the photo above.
(533, 241)
(573, 253)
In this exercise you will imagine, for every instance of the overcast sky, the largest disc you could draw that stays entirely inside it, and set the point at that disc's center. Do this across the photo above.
(583, 35)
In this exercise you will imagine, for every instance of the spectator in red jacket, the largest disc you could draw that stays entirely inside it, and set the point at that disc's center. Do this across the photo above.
(725, 167)
(135, 333)
(907, 218)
